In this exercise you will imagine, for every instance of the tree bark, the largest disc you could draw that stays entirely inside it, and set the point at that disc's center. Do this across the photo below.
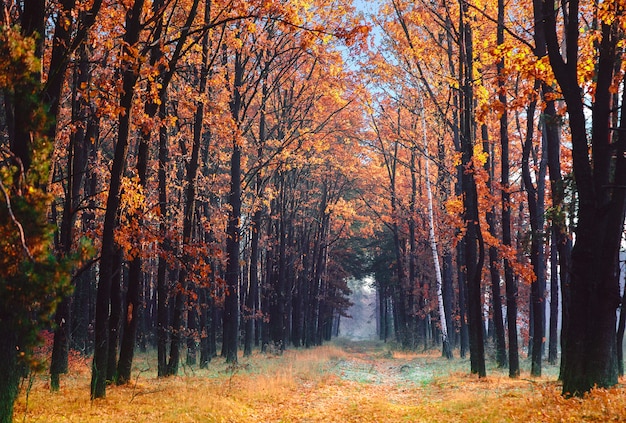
(164, 247)
(496, 299)
(474, 245)
(554, 299)
(130, 75)
(445, 343)
(589, 339)
(510, 282)
(535, 207)
(233, 231)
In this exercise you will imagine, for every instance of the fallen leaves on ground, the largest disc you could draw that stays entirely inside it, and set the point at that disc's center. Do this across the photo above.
(339, 383)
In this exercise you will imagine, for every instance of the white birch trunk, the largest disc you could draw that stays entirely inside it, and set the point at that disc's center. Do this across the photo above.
(433, 241)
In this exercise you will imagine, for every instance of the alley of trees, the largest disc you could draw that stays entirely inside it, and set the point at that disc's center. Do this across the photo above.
(204, 177)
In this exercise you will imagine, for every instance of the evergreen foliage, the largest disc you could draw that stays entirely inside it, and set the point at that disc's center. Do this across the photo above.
(32, 280)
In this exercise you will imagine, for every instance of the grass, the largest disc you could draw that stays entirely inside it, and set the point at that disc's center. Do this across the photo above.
(341, 382)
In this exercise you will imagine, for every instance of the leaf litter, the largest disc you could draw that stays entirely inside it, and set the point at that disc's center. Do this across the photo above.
(340, 382)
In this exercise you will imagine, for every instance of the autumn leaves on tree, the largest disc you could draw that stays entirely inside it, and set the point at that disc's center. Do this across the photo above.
(216, 171)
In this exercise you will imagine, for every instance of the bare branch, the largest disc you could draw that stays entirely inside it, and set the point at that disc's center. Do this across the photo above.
(15, 221)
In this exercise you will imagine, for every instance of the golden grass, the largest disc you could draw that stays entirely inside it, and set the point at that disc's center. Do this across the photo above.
(320, 385)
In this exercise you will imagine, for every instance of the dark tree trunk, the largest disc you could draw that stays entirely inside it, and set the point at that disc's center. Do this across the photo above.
(11, 372)
(171, 367)
(81, 319)
(621, 327)
(135, 278)
(588, 337)
(60, 346)
(133, 306)
(192, 334)
(178, 325)
(554, 299)
(115, 319)
(474, 245)
(535, 208)
(253, 285)
(189, 213)
(99, 369)
(510, 282)
(496, 303)
(83, 313)
(550, 130)
(76, 164)
(462, 285)
(277, 305)
(231, 303)
(32, 25)
(253, 290)
(164, 247)
(415, 298)
(207, 321)
(135, 274)
(203, 323)
(399, 297)
(496, 298)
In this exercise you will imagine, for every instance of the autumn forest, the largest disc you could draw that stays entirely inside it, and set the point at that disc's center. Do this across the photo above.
(214, 181)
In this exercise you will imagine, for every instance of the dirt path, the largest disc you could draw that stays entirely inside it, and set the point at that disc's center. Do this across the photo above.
(368, 383)
(370, 363)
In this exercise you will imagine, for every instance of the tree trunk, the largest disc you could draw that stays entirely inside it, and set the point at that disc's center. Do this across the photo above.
(233, 231)
(11, 372)
(76, 164)
(189, 212)
(133, 295)
(535, 207)
(99, 368)
(115, 319)
(588, 337)
(510, 282)
(474, 245)
(554, 298)
(621, 327)
(192, 333)
(32, 25)
(550, 130)
(490, 218)
(164, 247)
(253, 293)
(445, 343)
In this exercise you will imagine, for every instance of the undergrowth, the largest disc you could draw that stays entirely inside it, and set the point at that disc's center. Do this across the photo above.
(341, 382)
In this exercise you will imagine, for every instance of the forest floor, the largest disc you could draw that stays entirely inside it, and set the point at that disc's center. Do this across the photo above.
(340, 382)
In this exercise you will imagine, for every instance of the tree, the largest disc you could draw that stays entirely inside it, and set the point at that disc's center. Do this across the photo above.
(589, 339)
(447, 351)
(510, 282)
(108, 254)
(32, 279)
(474, 243)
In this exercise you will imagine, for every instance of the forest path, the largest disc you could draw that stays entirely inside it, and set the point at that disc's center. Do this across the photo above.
(365, 382)
(371, 362)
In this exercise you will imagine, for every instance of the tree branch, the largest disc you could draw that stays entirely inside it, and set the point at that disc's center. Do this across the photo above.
(16, 222)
